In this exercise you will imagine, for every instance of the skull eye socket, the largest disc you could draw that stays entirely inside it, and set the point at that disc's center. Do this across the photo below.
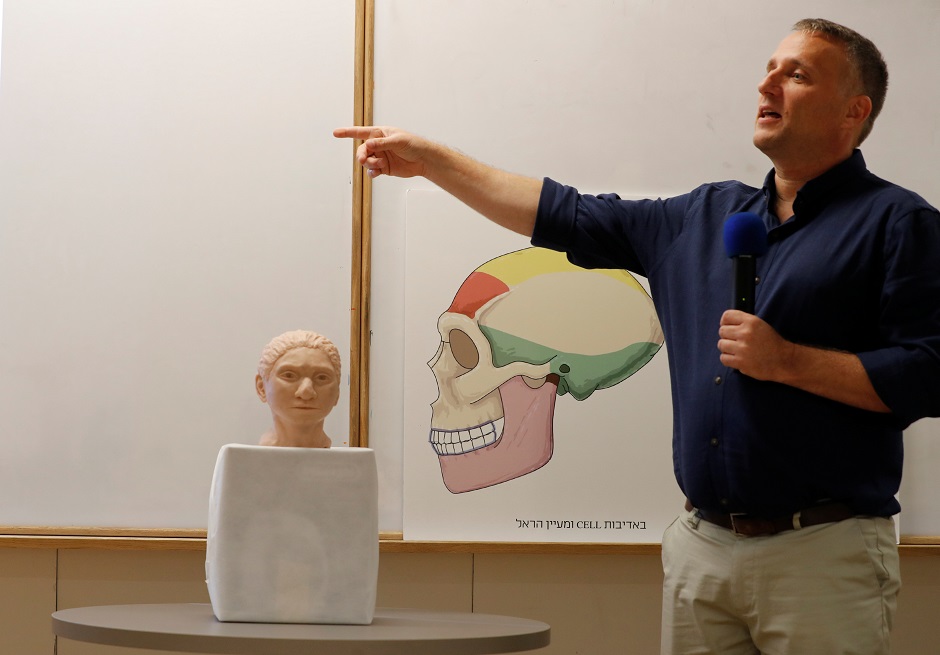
(463, 349)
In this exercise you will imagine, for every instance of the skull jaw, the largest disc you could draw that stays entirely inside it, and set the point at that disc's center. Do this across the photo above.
(525, 445)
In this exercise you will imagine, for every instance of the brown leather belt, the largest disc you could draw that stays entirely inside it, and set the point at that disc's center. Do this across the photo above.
(752, 526)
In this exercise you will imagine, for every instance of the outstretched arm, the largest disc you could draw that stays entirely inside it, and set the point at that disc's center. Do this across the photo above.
(506, 199)
(750, 345)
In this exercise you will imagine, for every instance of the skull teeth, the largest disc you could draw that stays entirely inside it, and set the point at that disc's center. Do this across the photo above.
(458, 442)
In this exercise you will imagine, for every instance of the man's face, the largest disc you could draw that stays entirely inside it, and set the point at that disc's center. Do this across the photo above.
(302, 386)
(804, 99)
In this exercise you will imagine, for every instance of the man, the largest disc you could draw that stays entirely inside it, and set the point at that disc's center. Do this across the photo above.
(298, 377)
(787, 438)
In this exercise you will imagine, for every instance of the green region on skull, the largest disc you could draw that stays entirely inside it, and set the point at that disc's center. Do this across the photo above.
(580, 375)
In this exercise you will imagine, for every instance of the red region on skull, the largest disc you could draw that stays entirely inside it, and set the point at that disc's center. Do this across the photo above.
(477, 290)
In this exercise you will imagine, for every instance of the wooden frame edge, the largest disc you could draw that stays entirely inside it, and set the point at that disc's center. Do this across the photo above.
(389, 542)
(361, 286)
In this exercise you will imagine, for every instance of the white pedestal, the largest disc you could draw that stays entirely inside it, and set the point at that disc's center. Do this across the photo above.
(293, 535)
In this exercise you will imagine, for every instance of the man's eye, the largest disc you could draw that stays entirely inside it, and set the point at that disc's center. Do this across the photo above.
(288, 375)
(798, 76)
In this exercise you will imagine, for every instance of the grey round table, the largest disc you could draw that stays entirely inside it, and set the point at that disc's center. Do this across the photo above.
(194, 628)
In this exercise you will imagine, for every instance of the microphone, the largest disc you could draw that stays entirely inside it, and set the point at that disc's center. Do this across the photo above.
(745, 240)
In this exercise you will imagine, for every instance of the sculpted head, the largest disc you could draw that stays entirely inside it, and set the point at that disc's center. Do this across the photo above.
(299, 379)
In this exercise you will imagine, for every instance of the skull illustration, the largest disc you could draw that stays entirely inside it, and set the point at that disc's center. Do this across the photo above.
(523, 328)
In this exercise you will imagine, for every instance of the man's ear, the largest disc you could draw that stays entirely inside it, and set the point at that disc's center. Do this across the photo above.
(859, 109)
(259, 388)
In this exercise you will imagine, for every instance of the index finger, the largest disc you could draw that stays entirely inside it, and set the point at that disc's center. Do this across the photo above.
(357, 132)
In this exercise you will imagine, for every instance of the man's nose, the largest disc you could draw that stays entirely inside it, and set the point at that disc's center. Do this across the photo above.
(306, 390)
(769, 83)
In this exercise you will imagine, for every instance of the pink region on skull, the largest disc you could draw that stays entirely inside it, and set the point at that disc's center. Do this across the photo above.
(477, 290)
(525, 445)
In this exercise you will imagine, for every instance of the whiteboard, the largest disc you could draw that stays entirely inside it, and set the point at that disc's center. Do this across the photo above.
(643, 98)
(170, 199)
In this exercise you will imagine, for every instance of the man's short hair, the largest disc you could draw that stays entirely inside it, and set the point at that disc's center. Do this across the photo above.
(865, 59)
(296, 339)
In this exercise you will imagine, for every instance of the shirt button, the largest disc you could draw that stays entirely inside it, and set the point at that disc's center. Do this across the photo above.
(724, 502)
(718, 379)
(714, 441)
(757, 279)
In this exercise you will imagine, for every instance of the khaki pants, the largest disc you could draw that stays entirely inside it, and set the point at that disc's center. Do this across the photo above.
(827, 589)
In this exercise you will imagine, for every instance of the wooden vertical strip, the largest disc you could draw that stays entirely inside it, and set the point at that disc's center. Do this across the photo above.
(366, 221)
(355, 307)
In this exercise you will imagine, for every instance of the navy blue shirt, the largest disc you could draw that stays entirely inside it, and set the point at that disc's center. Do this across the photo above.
(857, 269)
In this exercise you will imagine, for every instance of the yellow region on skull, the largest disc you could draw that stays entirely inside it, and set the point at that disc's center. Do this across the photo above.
(517, 267)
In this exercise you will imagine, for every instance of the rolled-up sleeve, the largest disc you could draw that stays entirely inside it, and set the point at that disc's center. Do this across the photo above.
(906, 373)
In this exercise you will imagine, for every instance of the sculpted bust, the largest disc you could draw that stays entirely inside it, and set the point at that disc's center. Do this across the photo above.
(298, 377)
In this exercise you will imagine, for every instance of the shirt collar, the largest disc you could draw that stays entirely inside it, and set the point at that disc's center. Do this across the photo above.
(819, 190)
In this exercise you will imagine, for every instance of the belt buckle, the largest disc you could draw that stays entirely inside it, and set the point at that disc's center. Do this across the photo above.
(751, 527)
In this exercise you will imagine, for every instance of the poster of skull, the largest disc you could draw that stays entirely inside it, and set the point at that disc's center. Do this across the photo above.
(536, 393)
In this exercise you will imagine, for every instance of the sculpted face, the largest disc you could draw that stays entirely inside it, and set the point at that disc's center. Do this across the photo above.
(301, 390)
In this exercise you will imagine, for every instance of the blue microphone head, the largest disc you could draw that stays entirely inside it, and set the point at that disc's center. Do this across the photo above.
(745, 234)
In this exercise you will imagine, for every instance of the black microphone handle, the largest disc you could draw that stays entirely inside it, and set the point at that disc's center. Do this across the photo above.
(745, 276)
